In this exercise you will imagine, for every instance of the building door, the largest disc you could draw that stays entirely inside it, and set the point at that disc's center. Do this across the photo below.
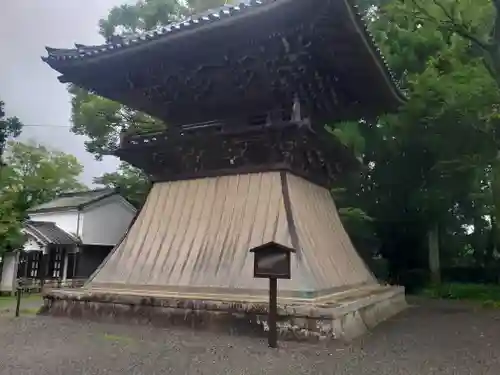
(72, 265)
(22, 266)
(44, 266)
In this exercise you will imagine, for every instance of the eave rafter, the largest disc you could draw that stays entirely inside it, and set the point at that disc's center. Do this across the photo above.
(75, 64)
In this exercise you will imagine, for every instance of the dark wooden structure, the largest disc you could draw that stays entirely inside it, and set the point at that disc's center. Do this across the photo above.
(241, 89)
(258, 101)
(276, 50)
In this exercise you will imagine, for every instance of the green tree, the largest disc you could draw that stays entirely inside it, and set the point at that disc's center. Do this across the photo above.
(38, 174)
(103, 121)
(10, 224)
(9, 127)
(129, 181)
(142, 16)
(33, 175)
(146, 15)
(478, 25)
(423, 163)
(9, 218)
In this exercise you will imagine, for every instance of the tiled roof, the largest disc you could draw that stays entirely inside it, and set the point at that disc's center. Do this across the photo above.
(82, 52)
(73, 200)
(121, 42)
(49, 233)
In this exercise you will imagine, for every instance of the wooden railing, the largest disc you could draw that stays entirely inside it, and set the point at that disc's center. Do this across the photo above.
(279, 118)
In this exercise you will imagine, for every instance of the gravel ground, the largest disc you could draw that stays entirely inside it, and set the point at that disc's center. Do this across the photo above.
(432, 338)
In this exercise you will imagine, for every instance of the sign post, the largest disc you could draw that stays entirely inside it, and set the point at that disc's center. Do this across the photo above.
(273, 312)
(19, 290)
(272, 261)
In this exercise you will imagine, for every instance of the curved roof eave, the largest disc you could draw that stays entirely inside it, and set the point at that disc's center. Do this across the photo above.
(81, 54)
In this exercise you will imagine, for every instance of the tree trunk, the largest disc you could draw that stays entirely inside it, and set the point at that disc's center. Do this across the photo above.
(489, 249)
(434, 262)
(495, 191)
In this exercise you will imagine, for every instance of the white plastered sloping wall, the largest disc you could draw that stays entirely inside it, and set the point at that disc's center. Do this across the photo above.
(197, 233)
(9, 271)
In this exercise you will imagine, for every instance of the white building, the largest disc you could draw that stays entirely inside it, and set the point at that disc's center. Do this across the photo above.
(68, 237)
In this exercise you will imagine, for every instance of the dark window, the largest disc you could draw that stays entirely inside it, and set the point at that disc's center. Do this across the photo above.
(56, 263)
(33, 264)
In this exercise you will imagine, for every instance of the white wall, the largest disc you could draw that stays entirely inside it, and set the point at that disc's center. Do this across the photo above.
(105, 222)
(66, 220)
(9, 272)
(31, 245)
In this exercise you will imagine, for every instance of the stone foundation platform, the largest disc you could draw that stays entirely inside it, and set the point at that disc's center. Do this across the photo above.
(343, 315)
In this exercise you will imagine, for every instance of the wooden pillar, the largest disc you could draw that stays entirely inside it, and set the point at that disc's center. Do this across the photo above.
(273, 313)
(44, 263)
(65, 264)
(75, 261)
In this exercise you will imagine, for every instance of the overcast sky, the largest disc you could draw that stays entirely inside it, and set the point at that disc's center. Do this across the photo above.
(29, 87)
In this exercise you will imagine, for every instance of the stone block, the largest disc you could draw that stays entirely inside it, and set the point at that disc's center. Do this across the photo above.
(344, 318)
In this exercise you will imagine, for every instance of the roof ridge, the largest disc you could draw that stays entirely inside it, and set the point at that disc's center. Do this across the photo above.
(31, 222)
(195, 18)
(82, 192)
(74, 200)
(120, 41)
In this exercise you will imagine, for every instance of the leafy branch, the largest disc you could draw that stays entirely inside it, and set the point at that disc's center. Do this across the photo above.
(450, 19)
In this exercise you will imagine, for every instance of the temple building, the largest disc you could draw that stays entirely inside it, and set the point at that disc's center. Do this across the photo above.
(245, 92)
